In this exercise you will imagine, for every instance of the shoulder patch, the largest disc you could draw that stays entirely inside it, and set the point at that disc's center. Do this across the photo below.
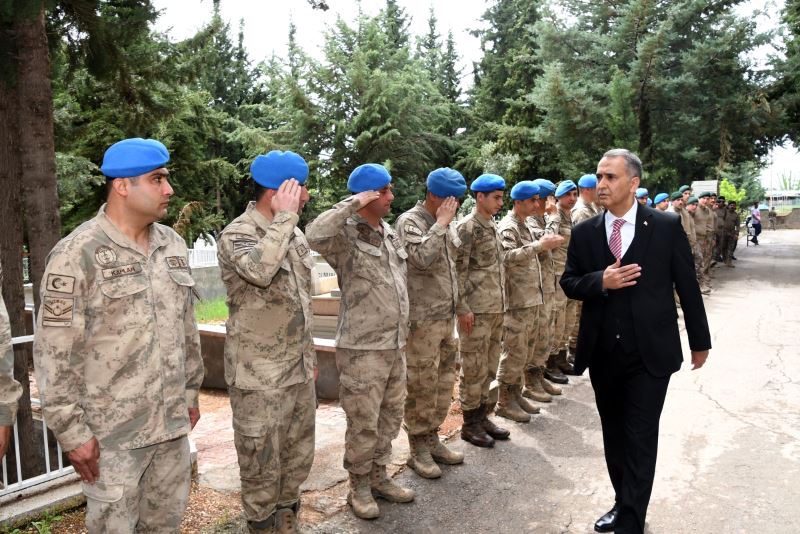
(477, 231)
(243, 245)
(60, 283)
(57, 311)
(411, 229)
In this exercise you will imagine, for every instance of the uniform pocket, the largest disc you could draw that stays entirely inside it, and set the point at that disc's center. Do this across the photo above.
(101, 492)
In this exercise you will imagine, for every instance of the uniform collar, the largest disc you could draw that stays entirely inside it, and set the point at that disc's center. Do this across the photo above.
(420, 208)
(486, 223)
(261, 221)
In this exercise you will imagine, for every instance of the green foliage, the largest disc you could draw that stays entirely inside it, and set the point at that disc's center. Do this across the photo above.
(211, 311)
(730, 192)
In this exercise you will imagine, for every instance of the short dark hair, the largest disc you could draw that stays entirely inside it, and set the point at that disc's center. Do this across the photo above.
(258, 191)
(632, 161)
(110, 181)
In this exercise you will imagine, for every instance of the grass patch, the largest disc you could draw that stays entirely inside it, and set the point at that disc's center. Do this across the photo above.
(207, 311)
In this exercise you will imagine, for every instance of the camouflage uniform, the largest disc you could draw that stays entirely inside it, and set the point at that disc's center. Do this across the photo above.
(269, 357)
(481, 289)
(719, 232)
(563, 322)
(580, 212)
(687, 221)
(433, 296)
(117, 357)
(702, 222)
(372, 330)
(730, 234)
(10, 389)
(545, 342)
(524, 296)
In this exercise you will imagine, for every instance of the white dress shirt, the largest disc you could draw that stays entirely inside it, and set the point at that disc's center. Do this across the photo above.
(627, 230)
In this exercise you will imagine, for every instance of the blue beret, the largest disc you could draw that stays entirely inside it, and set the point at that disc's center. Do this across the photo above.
(683, 188)
(274, 168)
(588, 181)
(546, 187)
(486, 183)
(649, 202)
(524, 190)
(642, 192)
(661, 197)
(446, 182)
(132, 157)
(368, 177)
(565, 187)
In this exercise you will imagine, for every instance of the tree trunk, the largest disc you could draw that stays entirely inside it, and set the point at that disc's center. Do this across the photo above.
(36, 143)
(11, 258)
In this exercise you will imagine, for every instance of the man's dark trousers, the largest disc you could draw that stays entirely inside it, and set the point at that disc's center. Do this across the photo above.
(629, 401)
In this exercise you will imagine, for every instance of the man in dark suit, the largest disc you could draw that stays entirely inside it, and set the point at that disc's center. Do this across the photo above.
(623, 264)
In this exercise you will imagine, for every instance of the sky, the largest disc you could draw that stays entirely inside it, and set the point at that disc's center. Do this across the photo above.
(266, 26)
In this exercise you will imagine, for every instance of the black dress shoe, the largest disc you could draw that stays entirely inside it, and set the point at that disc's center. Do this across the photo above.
(555, 376)
(608, 521)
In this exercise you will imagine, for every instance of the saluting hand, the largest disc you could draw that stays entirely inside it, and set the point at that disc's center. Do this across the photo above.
(616, 277)
(287, 198)
(85, 459)
(447, 210)
(365, 197)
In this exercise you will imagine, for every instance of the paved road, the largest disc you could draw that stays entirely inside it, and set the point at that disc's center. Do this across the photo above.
(729, 459)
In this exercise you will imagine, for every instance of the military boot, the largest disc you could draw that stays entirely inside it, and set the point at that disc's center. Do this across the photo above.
(265, 526)
(473, 431)
(420, 459)
(386, 488)
(549, 388)
(441, 453)
(571, 354)
(492, 429)
(533, 386)
(285, 521)
(553, 373)
(361, 499)
(524, 403)
(508, 407)
(563, 363)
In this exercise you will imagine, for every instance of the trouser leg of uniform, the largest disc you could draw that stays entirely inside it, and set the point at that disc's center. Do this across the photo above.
(559, 320)
(430, 358)
(273, 431)
(519, 334)
(493, 358)
(115, 502)
(164, 488)
(698, 265)
(477, 362)
(576, 321)
(372, 388)
(541, 349)
(297, 450)
(571, 328)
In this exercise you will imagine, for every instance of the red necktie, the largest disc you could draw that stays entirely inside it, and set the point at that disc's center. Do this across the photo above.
(615, 243)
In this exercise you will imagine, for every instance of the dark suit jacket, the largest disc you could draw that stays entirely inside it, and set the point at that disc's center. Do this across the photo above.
(661, 248)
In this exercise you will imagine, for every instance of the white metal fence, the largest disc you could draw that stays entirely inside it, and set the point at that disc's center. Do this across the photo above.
(51, 472)
(202, 257)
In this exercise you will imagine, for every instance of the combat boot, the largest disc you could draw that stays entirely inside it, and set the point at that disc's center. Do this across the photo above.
(472, 429)
(441, 453)
(420, 459)
(524, 403)
(265, 526)
(553, 373)
(386, 488)
(507, 406)
(285, 521)
(571, 355)
(563, 364)
(533, 386)
(549, 388)
(361, 499)
(492, 429)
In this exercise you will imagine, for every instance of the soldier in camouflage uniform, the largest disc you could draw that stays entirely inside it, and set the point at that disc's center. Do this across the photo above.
(566, 198)
(537, 376)
(701, 217)
(370, 261)
(524, 297)
(270, 359)
(10, 389)
(730, 233)
(585, 208)
(431, 242)
(117, 352)
(481, 304)
(708, 217)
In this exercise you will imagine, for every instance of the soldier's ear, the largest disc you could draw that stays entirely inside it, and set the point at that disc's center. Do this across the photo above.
(120, 186)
